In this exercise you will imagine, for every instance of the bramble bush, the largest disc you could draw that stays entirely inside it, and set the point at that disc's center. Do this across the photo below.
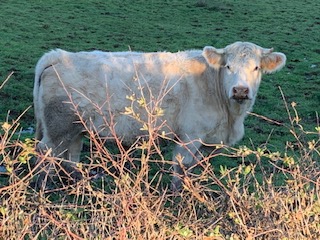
(125, 194)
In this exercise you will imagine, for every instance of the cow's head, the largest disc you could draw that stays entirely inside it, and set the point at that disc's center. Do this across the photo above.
(241, 65)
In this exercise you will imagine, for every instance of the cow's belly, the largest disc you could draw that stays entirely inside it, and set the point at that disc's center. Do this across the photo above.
(126, 128)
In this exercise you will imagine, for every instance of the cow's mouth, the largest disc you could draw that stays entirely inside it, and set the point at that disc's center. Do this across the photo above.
(240, 100)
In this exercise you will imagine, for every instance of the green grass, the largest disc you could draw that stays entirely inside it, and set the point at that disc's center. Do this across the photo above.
(31, 28)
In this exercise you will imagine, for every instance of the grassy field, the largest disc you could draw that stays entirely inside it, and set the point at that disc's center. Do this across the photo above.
(31, 28)
(245, 201)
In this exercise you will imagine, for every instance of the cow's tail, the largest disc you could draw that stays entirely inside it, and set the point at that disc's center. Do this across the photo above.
(49, 59)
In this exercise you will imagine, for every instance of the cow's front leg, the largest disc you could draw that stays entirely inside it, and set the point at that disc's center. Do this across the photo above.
(184, 158)
(73, 157)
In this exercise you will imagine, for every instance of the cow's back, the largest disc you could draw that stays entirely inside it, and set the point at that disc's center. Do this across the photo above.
(99, 87)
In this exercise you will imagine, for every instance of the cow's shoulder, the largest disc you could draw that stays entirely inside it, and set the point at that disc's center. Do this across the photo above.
(179, 63)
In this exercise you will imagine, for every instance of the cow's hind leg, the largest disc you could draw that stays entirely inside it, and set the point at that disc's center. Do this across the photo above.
(63, 159)
(61, 133)
(73, 157)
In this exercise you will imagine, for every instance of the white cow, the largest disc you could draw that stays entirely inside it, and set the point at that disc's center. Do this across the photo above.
(200, 96)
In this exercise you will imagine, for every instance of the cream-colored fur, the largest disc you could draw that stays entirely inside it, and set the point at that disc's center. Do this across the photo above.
(200, 92)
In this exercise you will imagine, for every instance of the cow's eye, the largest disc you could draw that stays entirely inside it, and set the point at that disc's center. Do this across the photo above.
(229, 68)
(256, 68)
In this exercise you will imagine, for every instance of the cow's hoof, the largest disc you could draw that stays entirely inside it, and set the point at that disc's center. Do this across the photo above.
(176, 184)
(41, 182)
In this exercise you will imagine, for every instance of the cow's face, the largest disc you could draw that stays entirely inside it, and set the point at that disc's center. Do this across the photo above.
(241, 66)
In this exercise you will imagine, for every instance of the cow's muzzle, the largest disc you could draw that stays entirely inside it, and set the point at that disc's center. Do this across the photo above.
(240, 94)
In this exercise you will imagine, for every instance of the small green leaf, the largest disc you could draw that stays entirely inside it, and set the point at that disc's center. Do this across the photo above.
(128, 110)
(3, 211)
(223, 169)
(247, 170)
(131, 97)
(142, 102)
(185, 232)
(288, 161)
(23, 159)
(9, 169)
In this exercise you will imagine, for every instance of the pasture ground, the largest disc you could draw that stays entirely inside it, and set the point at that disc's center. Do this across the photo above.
(269, 189)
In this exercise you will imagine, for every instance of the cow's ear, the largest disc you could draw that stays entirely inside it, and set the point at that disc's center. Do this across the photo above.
(273, 62)
(213, 56)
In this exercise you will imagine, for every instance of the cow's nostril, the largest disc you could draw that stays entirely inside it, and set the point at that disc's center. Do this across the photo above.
(240, 92)
(235, 90)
